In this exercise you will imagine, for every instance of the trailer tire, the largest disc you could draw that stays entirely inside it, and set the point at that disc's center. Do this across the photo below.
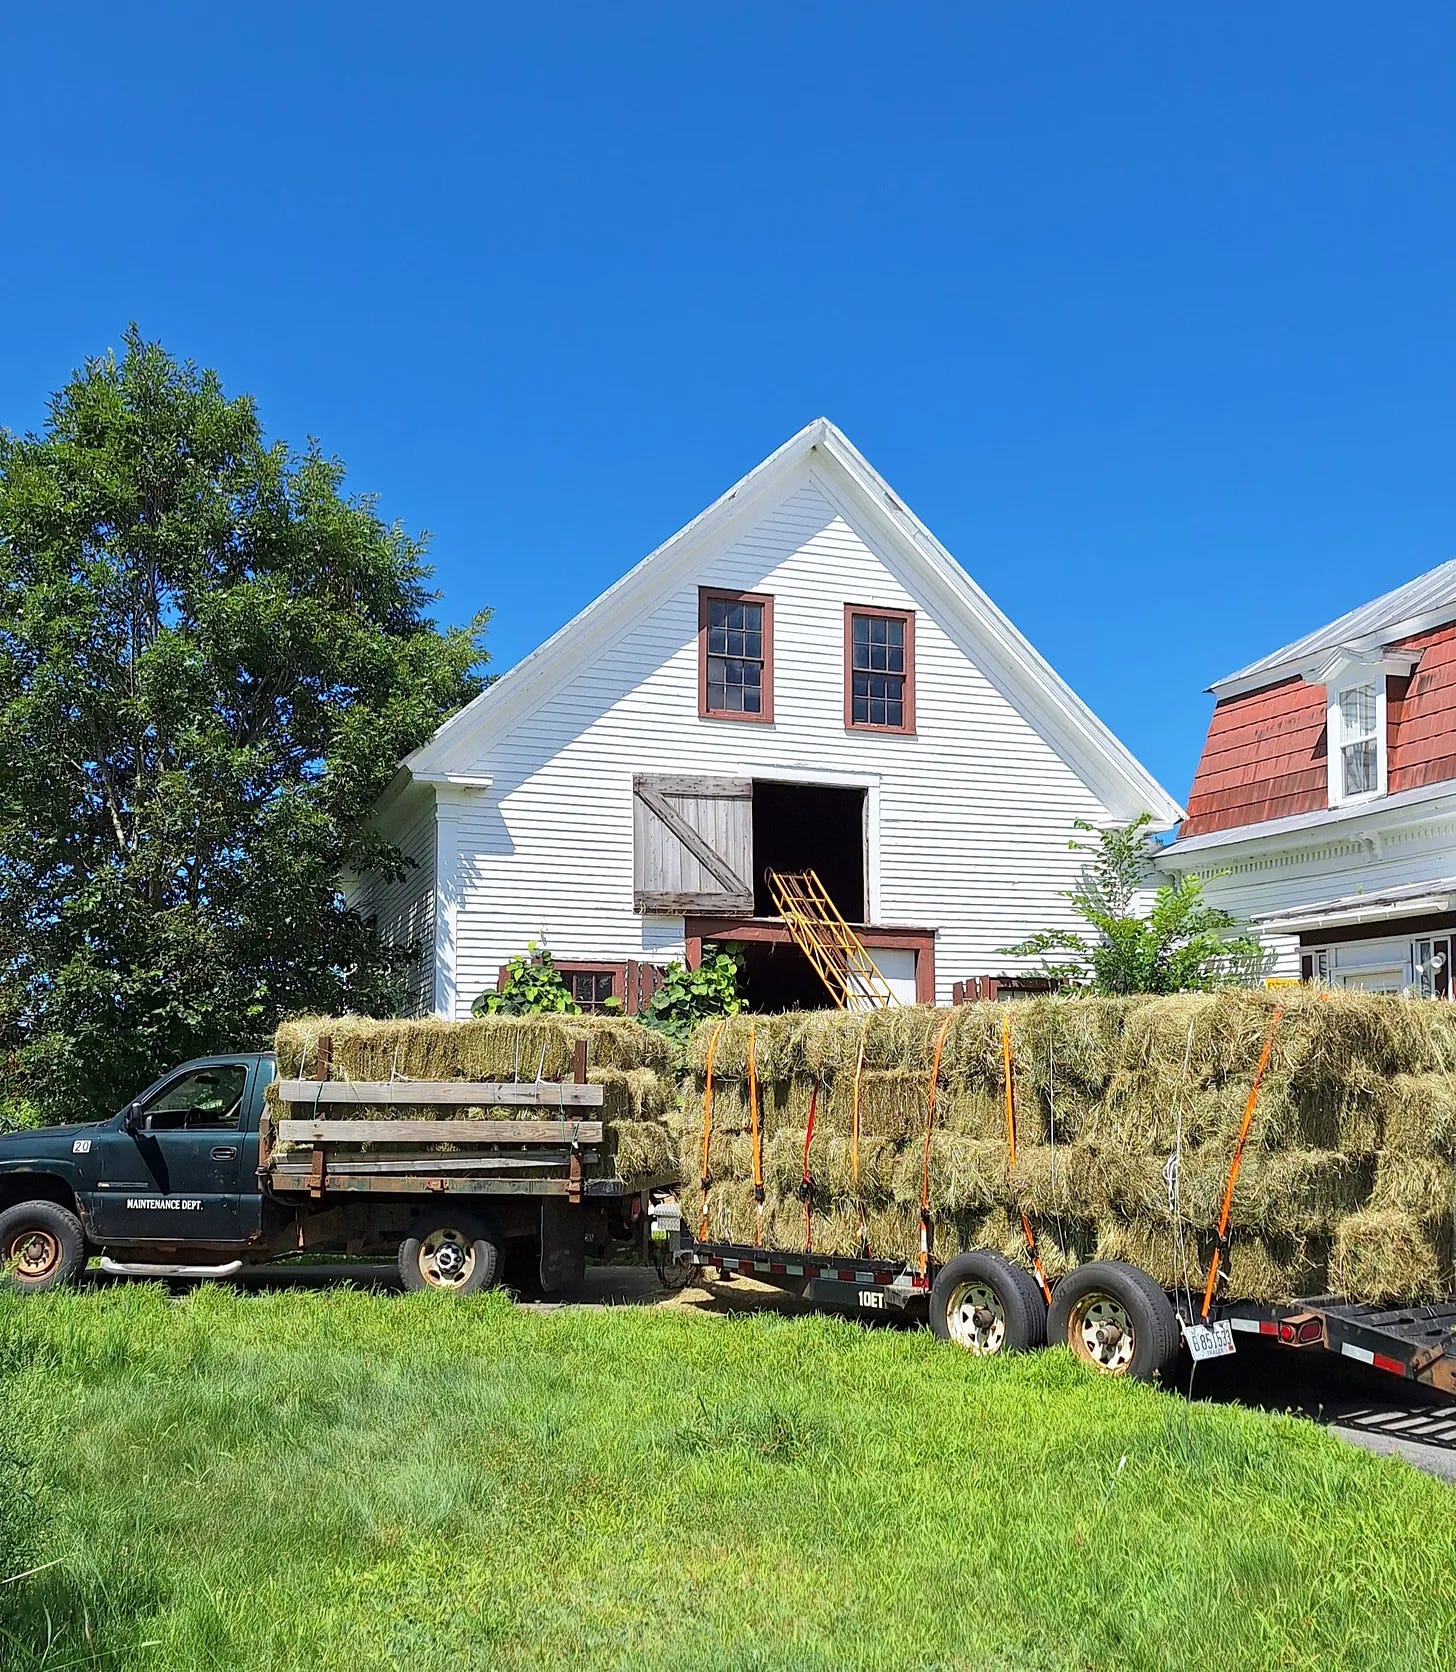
(1116, 1319)
(449, 1252)
(986, 1304)
(42, 1246)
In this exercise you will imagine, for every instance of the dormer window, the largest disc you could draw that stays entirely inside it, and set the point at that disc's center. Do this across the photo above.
(1359, 742)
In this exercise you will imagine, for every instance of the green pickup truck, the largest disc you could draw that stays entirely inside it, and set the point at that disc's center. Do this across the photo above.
(196, 1178)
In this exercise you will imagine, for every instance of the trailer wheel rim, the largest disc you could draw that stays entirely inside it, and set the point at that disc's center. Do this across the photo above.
(34, 1254)
(1101, 1333)
(447, 1259)
(976, 1318)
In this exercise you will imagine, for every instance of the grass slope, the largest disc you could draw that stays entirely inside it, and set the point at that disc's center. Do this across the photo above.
(356, 1482)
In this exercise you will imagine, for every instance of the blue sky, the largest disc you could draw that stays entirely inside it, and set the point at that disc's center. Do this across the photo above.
(1147, 310)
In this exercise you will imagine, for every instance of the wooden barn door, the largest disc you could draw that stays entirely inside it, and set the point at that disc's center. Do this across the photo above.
(693, 846)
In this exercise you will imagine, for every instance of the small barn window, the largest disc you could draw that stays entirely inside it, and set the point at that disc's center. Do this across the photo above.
(735, 655)
(592, 989)
(879, 669)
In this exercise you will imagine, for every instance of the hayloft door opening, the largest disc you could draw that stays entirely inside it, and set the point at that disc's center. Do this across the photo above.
(810, 827)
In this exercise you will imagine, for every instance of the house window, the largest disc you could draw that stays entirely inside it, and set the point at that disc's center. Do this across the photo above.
(592, 989)
(735, 655)
(1431, 968)
(879, 669)
(1358, 717)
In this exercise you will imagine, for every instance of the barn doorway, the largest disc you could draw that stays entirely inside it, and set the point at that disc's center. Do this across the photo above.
(775, 976)
(810, 827)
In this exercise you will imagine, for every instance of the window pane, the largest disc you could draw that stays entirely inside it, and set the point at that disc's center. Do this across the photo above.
(1357, 712)
(207, 1097)
(1360, 767)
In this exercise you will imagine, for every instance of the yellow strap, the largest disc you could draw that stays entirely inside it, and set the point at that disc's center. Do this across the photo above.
(1007, 1074)
(929, 1124)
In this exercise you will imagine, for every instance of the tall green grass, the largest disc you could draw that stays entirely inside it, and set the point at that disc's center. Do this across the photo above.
(351, 1481)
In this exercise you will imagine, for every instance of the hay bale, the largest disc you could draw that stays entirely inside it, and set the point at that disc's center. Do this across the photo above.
(1268, 1268)
(488, 1048)
(1383, 1255)
(1417, 1114)
(1421, 1188)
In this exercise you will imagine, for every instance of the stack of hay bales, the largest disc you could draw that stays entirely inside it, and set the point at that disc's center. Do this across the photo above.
(1347, 1182)
(632, 1064)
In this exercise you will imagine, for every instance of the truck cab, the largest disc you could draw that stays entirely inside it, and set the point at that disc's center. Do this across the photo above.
(177, 1167)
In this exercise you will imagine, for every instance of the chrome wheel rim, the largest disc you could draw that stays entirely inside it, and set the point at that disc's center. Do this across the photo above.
(1101, 1334)
(976, 1318)
(446, 1259)
(33, 1255)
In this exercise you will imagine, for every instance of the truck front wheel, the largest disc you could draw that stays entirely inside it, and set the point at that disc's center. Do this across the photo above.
(453, 1252)
(42, 1246)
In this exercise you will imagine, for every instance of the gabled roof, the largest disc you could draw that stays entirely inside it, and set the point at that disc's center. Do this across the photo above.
(1424, 602)
(866, 500)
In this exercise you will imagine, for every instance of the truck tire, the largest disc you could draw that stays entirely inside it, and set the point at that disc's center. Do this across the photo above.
(42, 1246)
(450, 1251)
(1116, 1319)
(986, 1304)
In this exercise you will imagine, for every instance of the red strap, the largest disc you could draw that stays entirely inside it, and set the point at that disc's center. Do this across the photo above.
(806, 1187)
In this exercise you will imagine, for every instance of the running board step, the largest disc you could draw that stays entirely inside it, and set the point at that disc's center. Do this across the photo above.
(143, 1268)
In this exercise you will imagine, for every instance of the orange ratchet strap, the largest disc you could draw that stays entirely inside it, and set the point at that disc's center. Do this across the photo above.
(1221, 1246)
(1008, 1074)
(757, 1136)
(927, 1229)
(707, 1177)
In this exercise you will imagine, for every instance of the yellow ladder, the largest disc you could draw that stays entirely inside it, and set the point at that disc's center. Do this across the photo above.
(828, 942)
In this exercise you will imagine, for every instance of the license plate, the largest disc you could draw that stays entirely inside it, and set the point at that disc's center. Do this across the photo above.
(1205, 1341)
(663, 1225)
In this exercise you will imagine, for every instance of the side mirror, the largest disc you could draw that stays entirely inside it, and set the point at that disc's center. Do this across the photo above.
(131, 1118)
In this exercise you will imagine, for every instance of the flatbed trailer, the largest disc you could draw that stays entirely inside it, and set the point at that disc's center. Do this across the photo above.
(1113, 1304)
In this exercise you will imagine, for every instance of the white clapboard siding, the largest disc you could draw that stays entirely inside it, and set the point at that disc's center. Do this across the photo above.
(404, 909)
(969, 819)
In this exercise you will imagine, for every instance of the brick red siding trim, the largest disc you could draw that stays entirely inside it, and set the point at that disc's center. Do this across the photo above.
(1264, 758)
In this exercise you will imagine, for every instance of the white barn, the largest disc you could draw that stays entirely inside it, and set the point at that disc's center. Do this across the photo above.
(801, 677)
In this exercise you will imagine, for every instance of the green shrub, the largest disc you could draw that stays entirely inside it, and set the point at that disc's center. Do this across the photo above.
(686, 997)
(534, 987)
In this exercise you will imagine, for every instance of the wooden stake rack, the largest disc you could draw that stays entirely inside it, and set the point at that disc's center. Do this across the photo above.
(560, 1142)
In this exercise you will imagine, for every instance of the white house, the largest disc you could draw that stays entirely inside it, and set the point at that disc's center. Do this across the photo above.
(802, 677)
(1324, 807)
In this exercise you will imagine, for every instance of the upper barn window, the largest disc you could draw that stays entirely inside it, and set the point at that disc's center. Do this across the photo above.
(735, 655)
(879, 669)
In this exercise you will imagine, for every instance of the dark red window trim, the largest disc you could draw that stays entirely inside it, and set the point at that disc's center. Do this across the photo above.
(908, 617)
(706, 594)
(921, 942)
(580, 966)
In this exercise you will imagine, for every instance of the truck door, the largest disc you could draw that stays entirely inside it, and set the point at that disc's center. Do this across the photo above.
(176, 1178)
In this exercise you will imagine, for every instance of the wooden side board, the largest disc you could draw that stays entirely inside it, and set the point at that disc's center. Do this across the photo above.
(415, 1094)
(439, 1131)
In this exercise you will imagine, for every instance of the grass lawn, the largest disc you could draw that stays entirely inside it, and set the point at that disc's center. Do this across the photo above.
(358, 1481)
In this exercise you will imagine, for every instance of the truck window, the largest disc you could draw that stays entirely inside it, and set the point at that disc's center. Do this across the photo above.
(205, 1098)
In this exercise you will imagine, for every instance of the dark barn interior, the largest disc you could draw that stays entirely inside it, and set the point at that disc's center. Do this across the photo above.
(810, 827)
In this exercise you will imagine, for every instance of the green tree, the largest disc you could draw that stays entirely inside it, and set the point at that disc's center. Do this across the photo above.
(211, 662)
(1182, 945)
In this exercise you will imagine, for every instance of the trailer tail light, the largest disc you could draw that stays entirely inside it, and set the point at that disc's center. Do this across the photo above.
(1301, 1332)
